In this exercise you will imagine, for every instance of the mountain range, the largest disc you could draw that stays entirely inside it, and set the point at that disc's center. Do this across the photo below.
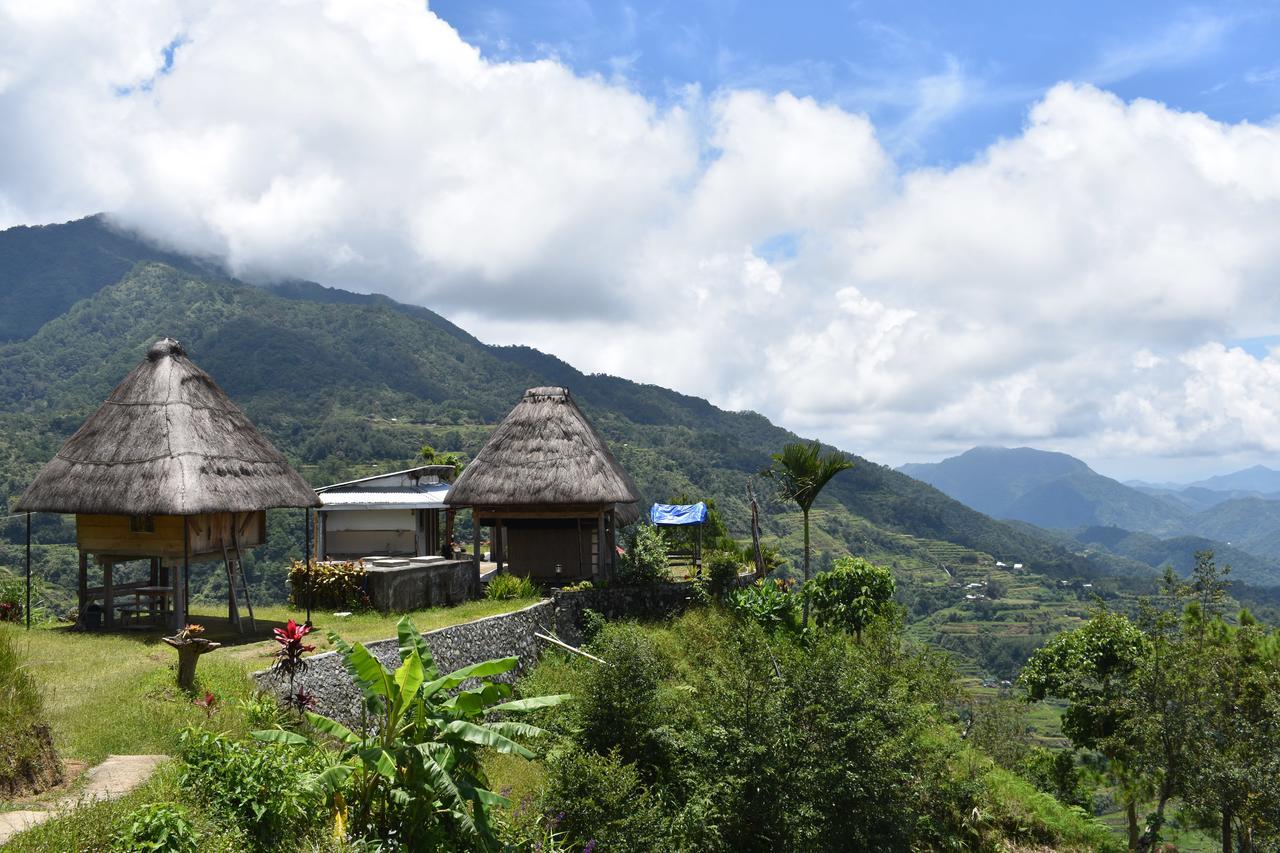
(348, 383)
(1236, 515)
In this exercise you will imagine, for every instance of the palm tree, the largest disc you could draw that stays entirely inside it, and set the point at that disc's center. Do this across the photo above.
(802, 471)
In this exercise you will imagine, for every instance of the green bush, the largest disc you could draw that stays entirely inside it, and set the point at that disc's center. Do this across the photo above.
(12, 595)
(722, 571)
(30, 762)
(593, 623)
(604, 800)
(769, 603)
(155, 828)
(851, 595)
(337, 585)
(268, 790)
(645, 559)
(507, 587)
(620, 708)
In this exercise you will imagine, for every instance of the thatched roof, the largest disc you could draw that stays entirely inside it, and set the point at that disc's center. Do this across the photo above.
(545, 453)
(167, 441)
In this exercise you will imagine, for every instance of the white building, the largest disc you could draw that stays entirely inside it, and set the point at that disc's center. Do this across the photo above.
(396, 514)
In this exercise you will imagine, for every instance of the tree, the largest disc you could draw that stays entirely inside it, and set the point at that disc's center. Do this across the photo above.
(802, 472)
(1094, 669)
(431, 456)
(851, 595)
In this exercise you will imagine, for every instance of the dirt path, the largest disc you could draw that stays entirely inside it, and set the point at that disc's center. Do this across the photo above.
(113, 778)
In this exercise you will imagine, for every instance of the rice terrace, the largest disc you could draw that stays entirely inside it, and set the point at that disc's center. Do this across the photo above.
(591, 427)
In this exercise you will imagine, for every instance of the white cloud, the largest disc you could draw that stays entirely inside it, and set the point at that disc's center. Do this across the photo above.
(1067, 287)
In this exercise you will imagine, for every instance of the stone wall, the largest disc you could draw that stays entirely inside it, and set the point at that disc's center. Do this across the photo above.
(505, 635)
(413, 587)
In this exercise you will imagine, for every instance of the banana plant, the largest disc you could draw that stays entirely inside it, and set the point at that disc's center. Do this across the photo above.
(412, 771)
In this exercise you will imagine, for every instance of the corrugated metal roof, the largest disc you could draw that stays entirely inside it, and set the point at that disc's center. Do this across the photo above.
(423, 497)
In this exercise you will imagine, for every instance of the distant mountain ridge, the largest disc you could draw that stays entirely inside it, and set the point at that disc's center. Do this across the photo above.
(1153, 525)
(1044, 488)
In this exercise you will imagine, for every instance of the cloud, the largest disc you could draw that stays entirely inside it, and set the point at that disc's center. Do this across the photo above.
(1183, 40)
(1070, 286)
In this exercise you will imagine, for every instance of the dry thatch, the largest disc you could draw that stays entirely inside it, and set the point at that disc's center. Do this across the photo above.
(167, 441)
(545, 453)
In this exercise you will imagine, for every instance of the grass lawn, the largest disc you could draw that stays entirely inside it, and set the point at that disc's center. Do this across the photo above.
(115, 693)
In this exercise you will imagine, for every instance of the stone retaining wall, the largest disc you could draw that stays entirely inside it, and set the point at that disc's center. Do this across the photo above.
(504, 635)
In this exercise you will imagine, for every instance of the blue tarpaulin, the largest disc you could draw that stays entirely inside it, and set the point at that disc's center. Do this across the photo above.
(678, 513)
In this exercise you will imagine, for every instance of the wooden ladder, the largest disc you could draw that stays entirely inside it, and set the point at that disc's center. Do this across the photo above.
(234, 562)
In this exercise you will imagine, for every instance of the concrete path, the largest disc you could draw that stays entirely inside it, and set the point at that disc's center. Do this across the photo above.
(113, 778)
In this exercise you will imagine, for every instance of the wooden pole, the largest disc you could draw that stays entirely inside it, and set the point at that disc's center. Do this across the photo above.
(499, 545)
(600, 547)
(181, 579)
(82, 589)
(108, 594)
(28, 610)
(306, 558)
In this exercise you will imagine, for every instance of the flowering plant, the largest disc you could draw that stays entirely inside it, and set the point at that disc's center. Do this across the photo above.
(290, 661)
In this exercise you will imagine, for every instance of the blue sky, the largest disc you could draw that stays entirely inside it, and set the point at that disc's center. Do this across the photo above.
(939, 80)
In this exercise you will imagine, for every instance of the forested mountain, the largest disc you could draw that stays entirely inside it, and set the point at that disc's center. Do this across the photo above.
(349, 383)
(45, 269)
(1043, 488)
(1153, 525)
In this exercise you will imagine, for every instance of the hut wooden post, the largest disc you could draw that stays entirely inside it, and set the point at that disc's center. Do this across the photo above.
(180, 579)
(82, 587)
(108, 594)
(475, 537)
(28, 607)
(498, 546)
(599, 572)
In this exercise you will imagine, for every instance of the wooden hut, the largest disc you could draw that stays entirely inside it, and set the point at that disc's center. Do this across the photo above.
(168, 469)
(550, 489)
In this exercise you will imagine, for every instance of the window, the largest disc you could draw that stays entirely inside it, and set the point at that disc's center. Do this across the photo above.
(142, 524)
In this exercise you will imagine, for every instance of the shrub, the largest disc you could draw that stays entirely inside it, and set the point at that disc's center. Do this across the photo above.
(619, 707)
(645, 559)
(507, 587)
(12, 594)
(593, 623)
(722, 571)
(605, 801)
(267, 789)
(337, 585)
(30, 763)
(850, 595)
(153, 828)
(769, 603)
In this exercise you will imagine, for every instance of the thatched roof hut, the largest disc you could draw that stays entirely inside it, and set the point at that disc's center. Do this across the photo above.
(546, 462)
(167, 469)
(167, 441)
(545, 452)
